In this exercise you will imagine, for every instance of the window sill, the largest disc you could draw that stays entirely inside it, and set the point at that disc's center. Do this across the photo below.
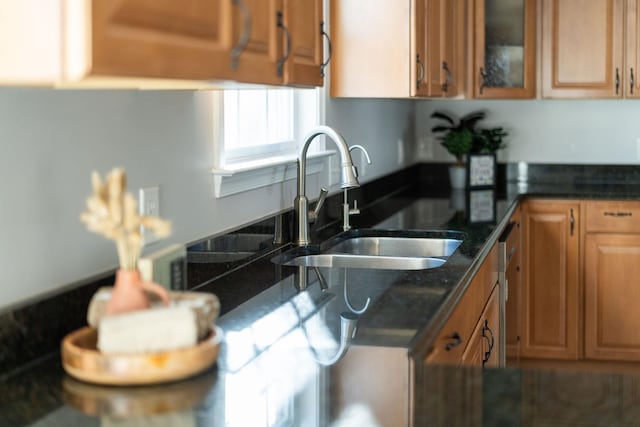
(234, 179)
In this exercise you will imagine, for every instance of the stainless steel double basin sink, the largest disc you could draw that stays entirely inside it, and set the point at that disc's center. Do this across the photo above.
(380, 249)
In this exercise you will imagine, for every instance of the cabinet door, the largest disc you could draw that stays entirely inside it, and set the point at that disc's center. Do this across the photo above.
(582, 48)
(612, 320)
(505, 47)
(456, 336)
(443, 47)
(422, 32)
(303, 20)
(483, 348)
(453, 55)
(396, 48)
(434, 47)
(632, 44)
(191, 39)
(550, 272)
(258, 60)
(194, 39)
(372, 48)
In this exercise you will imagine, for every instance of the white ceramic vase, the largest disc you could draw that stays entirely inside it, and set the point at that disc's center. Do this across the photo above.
(458, 176)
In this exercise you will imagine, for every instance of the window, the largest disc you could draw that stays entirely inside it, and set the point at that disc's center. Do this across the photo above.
(257, 133)
(258, 122)
(264, 123)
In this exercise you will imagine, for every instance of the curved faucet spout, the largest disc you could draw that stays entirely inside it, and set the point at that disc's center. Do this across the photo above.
(348, 177)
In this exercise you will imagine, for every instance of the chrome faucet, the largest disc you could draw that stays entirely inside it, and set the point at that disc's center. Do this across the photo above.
(348, 179)
(347, 211)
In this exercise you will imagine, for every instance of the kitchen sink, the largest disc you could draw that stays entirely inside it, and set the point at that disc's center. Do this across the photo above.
(378, 249)
(397, 246)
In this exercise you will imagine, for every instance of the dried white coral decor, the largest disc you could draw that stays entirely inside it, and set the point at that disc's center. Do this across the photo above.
(113, 212)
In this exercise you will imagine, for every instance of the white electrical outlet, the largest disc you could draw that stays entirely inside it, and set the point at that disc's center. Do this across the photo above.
(149, 205)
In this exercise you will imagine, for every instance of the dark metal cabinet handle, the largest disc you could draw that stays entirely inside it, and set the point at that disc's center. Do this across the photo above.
(486, 329)
(618, 214)
(483, 79)
(287, 35)
(448, 78)
(572, 222)
(632, 81)
(421, 71)
(490, 341)
(324, 65)
(244, 37)
(456, 341)
(617, 81)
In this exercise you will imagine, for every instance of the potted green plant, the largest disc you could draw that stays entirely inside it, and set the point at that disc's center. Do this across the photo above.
(462, 137)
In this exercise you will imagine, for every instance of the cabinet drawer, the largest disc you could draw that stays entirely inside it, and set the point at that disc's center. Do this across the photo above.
(454, 336)
(620, 217)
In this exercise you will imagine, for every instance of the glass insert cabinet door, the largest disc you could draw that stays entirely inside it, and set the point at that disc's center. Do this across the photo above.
(504, 48)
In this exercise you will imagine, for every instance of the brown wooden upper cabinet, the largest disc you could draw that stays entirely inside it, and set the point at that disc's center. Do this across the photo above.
(589, 49)
(304, 65)
(397, 48)
(161, 43)
(504, 53)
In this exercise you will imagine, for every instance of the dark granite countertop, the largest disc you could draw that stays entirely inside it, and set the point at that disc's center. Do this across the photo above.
(273, 366)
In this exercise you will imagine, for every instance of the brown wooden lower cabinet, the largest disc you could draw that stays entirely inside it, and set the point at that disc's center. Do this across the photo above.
(612, 294)
(483, 348)
(460, 341)
(550, 292)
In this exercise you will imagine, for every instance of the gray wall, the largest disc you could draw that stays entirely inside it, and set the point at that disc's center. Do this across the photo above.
(52, 140)
(549, 131)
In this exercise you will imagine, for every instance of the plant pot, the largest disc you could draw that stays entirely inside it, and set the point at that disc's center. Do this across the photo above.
(458, 176)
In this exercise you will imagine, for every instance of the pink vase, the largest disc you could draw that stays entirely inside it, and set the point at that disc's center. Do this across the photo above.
(129, 292)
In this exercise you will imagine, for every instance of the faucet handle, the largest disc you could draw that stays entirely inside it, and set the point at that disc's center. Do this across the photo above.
(313, 215)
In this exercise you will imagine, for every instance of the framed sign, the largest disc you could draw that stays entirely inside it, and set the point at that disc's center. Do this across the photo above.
(481, 206)
(481, 170)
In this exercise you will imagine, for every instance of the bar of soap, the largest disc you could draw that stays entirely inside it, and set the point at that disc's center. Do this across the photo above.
(148, 331)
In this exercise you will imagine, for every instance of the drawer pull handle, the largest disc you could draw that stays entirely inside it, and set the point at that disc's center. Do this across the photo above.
(490, 341)
(618, 214)
(572, 222)
(456, 341)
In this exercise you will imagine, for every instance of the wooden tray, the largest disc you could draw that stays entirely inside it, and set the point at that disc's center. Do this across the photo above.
(82, 360)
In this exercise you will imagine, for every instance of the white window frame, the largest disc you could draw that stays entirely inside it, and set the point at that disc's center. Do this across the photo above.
(244, 173)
